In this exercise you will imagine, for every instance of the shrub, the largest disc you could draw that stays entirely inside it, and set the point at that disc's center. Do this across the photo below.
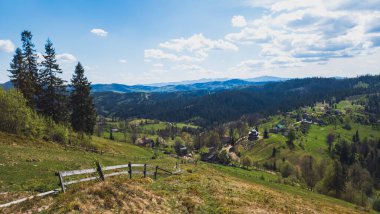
(347, 126)
(16, 117)
(286, 170)
(376, 204)
(247, 162)
(56, 132)
(224, 157)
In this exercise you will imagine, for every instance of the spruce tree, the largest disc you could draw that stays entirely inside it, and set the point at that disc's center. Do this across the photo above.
(17, 70)
(31, 88)
(52, 101)
(83, 116)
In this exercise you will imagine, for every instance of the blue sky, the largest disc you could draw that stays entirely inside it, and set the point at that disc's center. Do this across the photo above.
(149, 41)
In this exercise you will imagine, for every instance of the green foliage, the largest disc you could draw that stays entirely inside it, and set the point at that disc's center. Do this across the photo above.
(83, 117)
(223, 157)
(218, 107)
(247, 162)
(309, 171)
(56, 132)
(16, 117)
(52, 100)
(334, 180)
(203, 150)
(30, 87)
(286, 169)
(376, 204)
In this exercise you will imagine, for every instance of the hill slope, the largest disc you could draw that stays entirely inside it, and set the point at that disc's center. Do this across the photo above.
(230, 189)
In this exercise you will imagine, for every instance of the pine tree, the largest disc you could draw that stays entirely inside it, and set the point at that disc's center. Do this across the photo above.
(83, 116)
(17, 70)
(52, 101)
(31, 87)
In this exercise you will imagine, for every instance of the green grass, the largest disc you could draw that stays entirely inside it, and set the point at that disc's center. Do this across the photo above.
(268, 180)
(31, 166)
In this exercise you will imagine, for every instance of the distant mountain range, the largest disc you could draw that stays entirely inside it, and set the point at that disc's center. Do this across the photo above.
(6, 85)
(191, 85)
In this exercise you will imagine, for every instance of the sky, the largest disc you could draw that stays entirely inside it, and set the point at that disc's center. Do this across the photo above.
(152, 41)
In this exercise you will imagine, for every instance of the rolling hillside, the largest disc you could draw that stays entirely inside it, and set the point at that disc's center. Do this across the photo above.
(231, 190)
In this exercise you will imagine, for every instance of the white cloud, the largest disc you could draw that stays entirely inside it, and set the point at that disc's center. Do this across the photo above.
(297, 31)
(159, 54)
(7, 46)
(194, 48)
(122, 60)
(99, 32)
(158, 65)
(198, 43)
(66, 58)
(238, 21)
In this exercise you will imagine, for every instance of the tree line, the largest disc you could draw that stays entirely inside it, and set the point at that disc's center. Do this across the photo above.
(46, 92)
(210, 109)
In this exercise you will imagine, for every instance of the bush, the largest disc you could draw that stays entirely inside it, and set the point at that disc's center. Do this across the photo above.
(376, 204)
(286, 170)
(56, 132)
(224, 157)
(347, 126)
(247, 162)
(16, 117)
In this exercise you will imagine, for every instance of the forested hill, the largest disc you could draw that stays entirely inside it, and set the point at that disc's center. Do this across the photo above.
(204, 108)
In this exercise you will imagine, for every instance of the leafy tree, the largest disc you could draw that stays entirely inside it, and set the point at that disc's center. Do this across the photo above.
(247, 162)
(178, 144)
(309, 172)
(134, 134)
(360, 178)
(17, 117)
(30, 89)
(286, 169)
(83, 116)
(214, 140)
(224, 157)
(335, 178)
(53, 100)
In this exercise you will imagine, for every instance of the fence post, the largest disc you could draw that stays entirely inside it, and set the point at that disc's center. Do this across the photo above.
(61, 181)
(130, 169)
(100, 171)
(155, 173)
(144, 170)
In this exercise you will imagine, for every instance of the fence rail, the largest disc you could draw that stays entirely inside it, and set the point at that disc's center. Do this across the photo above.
(101, 173)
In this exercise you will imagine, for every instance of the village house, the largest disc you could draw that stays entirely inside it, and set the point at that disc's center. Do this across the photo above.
(253, 135)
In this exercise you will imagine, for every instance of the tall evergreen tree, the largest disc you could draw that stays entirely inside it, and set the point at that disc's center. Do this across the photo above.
(17, 70)
(52, 101)
(31, 88)
(83, 116)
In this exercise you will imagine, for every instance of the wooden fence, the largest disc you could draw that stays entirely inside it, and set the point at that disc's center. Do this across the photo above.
(101, 173)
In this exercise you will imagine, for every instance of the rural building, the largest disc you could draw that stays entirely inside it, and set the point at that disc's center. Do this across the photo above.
(253, 135)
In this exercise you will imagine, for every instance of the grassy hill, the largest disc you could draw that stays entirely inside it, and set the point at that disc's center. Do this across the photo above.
(28, 166)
